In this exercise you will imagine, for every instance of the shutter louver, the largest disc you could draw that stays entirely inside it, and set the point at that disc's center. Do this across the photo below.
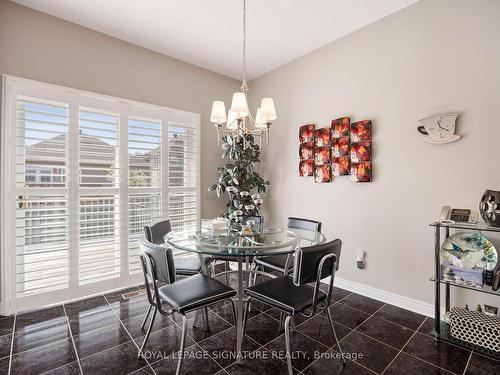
(144, 209)
(98, 148)
(99, 211)
(41, 143)
(183, 157)
(41, 244)
(41, 220)
(144, 153)
(144, 181)
(99, 238)
(183, 212)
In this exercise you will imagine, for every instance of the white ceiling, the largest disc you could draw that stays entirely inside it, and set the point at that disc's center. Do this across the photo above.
(207, 33)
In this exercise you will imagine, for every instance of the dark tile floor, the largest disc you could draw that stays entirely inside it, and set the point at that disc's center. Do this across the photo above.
(101, 335)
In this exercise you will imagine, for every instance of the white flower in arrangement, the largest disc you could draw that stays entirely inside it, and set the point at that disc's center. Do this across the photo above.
(240, 206)
(255, 196)
(258, 201)
(231, 189)
(244, 193)
(238, 213)
(249, 207)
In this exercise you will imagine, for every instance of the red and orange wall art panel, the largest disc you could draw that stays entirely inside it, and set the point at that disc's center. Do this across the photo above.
(340, 147)
(340, 166)
(306, 133)
(361, 172)
(340, 127)
(322, 137)
(361, 151)
(361, 131)
(323, 173)
(306, 151)
(322, 155)
(306, 168)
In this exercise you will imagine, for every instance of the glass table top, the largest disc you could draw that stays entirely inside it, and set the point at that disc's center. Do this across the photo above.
(265, 240)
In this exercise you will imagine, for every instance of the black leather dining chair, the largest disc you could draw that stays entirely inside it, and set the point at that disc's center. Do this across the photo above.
(177, 296)
(184, 266)
(283, 263)
(294, 295)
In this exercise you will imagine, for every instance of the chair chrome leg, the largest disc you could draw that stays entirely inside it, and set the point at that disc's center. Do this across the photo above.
(292, 324)
(287, 342)
(233, 305)
(205, 319)
(146, 317)
(183, 344)
(335, 335)
(139, 355)
(247, 267)
(282, 322)
(245, 317)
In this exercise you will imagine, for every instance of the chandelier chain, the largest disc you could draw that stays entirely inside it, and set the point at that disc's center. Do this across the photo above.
(244, 82)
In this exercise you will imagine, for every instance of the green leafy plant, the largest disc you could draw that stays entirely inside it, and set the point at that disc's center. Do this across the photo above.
(238, 179)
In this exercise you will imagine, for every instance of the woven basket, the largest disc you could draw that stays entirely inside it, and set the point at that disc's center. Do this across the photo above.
(475, 328)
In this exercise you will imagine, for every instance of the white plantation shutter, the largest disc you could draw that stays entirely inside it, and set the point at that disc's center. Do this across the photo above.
(82, 174)
(41, 215)
(41, 244)
(98, 158)
(99, 238)
(144, 209)
(99, 201)
(144, 150)
(183, 207)
(183, 172)
(144, 181)
(41, 142)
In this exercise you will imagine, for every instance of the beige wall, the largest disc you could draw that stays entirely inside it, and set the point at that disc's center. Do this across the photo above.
(44, 48)
(435, 56)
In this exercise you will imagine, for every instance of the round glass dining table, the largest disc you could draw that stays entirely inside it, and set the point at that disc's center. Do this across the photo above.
(265, 240)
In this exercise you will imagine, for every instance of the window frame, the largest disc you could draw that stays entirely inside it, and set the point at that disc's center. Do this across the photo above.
(76, 99)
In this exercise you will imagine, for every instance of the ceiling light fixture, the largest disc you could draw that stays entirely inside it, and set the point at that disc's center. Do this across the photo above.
(236, 119)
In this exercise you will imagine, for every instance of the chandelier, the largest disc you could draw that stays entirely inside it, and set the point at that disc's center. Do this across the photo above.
(239, 120)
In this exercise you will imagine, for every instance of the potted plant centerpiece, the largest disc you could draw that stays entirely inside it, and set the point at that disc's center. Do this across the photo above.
(239, 181)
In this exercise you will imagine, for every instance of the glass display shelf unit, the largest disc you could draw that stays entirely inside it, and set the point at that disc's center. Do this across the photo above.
(480, 226)
(447, 337)
(485, 289)
(441, 328)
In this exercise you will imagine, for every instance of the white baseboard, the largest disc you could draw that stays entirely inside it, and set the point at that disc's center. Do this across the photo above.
(407, 303)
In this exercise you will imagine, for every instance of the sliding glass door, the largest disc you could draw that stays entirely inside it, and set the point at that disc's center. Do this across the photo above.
(81, 176)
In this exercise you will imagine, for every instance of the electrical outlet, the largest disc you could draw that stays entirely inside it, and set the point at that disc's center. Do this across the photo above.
(360, 259)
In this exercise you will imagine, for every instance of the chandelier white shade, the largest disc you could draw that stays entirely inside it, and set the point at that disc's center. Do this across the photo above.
(239, 105)
(218, 115)
(232, 121)
(259, 121)
(268, 110)
(239, 119)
